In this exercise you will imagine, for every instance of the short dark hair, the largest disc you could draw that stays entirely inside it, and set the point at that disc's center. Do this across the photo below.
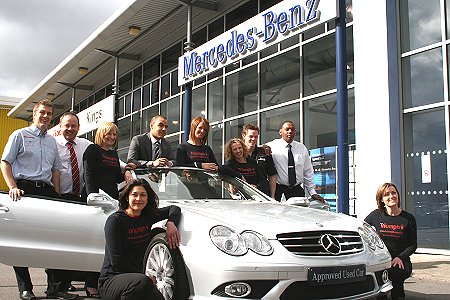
(156, 117)
(69, 113)
(151, 209)
(287, 121)
(248, 127)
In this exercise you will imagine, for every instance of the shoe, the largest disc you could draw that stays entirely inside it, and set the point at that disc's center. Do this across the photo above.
(62, 296)
(90, 295)
(27, 295)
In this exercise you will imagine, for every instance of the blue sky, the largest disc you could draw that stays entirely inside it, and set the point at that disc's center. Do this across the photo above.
(36, 35)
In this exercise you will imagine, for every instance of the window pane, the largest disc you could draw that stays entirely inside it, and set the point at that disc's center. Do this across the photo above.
(147, 115)
(125, 84)
(173, 141)
(155, 91)
(175, 88)
(136, 100)
(422, 78)
(146, 95)
(215, 28)
(271, 122)
(215, 140)
(123, 154)
(151, 69)
(241, 14)
(233, 128)
(242, 92)
(280, 78)
(137, 79)
(428, 201)
(199, 102)
(128, 104)
(100, 95)
(420, 23)
(215, 100)
(135, 124)
(320, 120)
(124, 132)
(120, 106)
(171, 110)
(170, 57)
(165, 87)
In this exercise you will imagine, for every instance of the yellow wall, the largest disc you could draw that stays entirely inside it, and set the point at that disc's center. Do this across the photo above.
(7, 126)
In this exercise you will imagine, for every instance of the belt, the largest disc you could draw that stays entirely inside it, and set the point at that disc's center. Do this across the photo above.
(290, 187)
(38, 184)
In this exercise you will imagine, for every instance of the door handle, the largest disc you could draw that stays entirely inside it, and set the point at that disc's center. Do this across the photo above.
(4, 208)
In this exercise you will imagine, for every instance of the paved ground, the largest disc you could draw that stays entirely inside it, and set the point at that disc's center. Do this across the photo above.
(430, 280)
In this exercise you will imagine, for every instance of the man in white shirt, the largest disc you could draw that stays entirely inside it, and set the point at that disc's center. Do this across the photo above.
(69, 124)
(293, 165)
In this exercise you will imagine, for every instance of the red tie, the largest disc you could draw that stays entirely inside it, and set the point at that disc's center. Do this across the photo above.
(75, 169)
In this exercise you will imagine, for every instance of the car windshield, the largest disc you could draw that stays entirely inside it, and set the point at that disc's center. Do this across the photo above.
(191, 183)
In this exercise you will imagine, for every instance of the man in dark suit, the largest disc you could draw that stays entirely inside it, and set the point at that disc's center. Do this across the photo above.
(151, 149)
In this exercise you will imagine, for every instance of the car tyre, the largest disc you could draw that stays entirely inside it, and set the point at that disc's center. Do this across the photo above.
(167, 266)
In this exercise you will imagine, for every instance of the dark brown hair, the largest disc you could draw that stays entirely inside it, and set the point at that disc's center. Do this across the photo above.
(151, 209)
(248, 127)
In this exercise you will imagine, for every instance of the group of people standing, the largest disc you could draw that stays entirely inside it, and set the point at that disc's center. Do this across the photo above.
(71, 168)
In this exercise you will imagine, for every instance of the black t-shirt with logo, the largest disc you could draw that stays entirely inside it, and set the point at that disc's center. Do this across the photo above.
(399, 233)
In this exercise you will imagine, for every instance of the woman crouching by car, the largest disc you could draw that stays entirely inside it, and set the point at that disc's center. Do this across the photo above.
(127, 235)
(398, 230)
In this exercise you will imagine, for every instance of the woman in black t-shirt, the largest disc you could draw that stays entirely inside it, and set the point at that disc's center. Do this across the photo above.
(398, 230)
(127, 235)
(237, 157)
(195, 152)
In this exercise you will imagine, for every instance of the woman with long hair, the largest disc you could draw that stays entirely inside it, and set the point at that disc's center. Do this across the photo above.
(236, 153)
(398, 230)
(127, 235)
(195, 152)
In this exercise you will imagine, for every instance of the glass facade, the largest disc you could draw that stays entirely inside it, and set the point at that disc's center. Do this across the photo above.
(424, 70)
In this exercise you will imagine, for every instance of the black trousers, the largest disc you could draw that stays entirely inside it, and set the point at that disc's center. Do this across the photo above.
(129, 286)
(54, 277)
(398, 277)
(295, 191)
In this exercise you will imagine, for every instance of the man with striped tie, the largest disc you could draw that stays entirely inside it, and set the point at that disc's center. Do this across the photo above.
(71, 149)
(151, 149)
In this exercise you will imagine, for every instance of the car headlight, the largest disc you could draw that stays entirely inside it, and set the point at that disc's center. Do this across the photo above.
(257, 242)
(228, 240)
(370, 236)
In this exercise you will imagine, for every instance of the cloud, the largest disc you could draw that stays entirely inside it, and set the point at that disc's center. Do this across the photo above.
(36, 35)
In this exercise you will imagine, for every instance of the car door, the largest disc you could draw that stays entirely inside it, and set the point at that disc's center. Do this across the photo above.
(51, 233)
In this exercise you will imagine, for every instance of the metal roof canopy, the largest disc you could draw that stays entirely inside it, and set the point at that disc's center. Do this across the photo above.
(163, 22)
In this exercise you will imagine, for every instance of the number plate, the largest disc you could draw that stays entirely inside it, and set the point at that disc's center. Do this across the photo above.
(335, 275)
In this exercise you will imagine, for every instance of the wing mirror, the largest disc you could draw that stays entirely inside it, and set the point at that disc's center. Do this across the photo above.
(102, 200)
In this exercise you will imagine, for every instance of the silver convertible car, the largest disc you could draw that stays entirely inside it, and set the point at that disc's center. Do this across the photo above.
(235, 241)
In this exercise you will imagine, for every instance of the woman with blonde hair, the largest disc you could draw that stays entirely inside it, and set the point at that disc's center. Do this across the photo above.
(398, 230)
(236, 153)
(101, 162)
(195, 152)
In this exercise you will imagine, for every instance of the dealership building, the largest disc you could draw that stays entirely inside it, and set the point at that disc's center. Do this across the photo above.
(266, 61)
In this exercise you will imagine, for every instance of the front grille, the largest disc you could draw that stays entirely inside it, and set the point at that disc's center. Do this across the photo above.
(308, 243)
(301, 290)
